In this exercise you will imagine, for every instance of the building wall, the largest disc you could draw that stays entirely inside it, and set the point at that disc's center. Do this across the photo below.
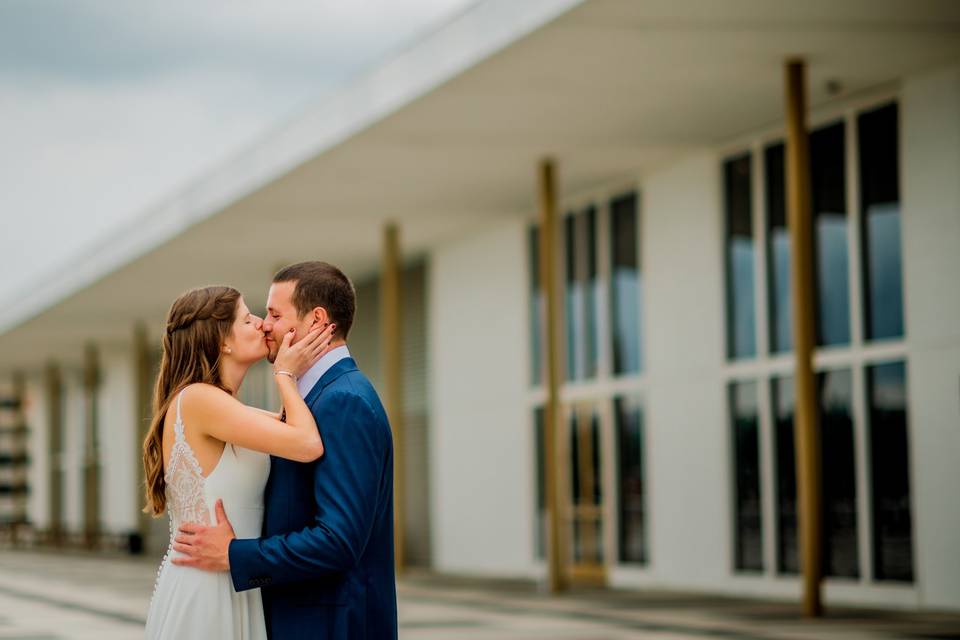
(483, 520)
(120, 497)
(481, 455)
(681, 253)
(931, 248)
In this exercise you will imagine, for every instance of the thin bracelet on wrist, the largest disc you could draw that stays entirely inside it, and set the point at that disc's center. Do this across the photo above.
(286, 373)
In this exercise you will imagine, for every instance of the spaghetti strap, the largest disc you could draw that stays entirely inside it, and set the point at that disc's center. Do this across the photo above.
(178, 422)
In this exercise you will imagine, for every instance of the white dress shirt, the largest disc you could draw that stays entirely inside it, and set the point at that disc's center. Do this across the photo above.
(314, 373)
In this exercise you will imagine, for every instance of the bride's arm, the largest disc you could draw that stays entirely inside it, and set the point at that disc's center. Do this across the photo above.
(219, 415)
(272, 414)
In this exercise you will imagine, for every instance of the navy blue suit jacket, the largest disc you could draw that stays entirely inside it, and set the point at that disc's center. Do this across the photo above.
(325, 561)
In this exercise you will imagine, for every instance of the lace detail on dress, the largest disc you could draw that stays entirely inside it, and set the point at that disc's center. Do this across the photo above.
(184, 479)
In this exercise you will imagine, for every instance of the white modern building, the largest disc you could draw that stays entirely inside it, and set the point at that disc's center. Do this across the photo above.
(666, 123)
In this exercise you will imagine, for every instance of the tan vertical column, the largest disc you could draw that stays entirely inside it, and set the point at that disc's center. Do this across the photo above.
(91, 448)
(54, 388)
(806, 430)
(143, 397)
(551, 414)
(18, 454)
(390, 332)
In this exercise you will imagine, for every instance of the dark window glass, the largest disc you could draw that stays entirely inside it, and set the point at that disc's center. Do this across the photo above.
(572, 295)
(581, 294)
(839, 474)
(536, 307)
(540, 520)
(786, 476)
(585, 487)
(828, 199)
(628, 413)
(890, 472)
(741, 317)
(778, 252)
(626, 285)
(746, 448)
(880, 223)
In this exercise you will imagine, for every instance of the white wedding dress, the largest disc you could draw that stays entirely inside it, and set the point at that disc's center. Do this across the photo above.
(189, 603)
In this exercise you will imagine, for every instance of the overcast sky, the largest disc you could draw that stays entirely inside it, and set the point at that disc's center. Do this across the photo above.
(109, 106)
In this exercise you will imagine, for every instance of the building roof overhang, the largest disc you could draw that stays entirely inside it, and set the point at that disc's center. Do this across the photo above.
(445, 136)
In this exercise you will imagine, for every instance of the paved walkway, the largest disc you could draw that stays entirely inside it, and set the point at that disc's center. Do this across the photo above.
(46, 596)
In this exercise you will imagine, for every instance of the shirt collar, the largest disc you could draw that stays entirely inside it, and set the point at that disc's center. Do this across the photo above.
(320, 367)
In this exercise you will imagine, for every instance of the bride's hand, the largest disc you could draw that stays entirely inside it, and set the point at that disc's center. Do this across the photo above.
(298, 358)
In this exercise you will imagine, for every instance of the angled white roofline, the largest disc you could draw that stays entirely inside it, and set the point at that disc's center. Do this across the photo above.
(460, 43)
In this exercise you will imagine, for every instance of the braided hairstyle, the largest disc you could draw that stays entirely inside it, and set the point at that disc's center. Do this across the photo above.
(197, 324)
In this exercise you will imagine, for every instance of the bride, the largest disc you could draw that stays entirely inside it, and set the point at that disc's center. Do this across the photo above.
(206, 451)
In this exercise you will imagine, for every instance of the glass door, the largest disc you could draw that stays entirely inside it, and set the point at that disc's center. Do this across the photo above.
(586, 507)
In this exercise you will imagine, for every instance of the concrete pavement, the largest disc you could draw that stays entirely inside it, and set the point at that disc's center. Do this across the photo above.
(63, 596)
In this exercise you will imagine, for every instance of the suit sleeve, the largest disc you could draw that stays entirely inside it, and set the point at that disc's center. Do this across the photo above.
(347, 482)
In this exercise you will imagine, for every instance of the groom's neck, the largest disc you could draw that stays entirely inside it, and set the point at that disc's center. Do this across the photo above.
(340, 342)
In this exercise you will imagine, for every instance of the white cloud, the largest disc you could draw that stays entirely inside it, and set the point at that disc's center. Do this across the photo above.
(108, 107)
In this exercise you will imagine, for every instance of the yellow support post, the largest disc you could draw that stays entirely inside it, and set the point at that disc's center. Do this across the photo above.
(143, 398)
(806, 432)
(91, 453)
(54, 389)
(547, 192)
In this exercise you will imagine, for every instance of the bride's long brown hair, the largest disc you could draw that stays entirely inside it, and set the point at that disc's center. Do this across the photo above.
(197, 324)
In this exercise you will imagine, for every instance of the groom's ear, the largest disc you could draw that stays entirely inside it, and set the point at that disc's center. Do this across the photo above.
(320, 317)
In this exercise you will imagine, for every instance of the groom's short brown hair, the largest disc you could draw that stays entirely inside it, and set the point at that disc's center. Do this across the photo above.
(320, 284)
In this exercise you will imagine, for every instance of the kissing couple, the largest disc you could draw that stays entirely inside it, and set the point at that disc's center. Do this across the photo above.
(281, 525)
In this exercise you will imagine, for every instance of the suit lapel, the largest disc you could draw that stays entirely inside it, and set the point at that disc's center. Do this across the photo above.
(343, 366)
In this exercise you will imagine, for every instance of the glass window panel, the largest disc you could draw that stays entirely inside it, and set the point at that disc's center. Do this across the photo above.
(741, 316)
(786, 476)
(778, 252)
(835, 400)
(585, 484)
(540, 518)
(572, 298)
(581, 294)
(628, 414)
(591, 295)
(536, 307)
(626, 285)
(747, 505)
(880, 223)
(890, 472)
(828, 198)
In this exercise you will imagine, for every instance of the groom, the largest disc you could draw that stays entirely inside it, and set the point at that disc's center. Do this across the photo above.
(325, 561)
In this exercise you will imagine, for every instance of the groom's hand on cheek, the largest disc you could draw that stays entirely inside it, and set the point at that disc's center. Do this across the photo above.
(205, 548)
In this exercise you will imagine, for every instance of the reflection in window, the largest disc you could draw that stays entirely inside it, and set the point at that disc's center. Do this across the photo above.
(786, 475)
(741, 324)
(626, 286)
(540, 515)
(746, 449)
(628, 413)
(581, 294)
(828, 195)
(586, 488)
(536, 307)
(778, 252)
(839, 474)
(880, 223)
(890, 472)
